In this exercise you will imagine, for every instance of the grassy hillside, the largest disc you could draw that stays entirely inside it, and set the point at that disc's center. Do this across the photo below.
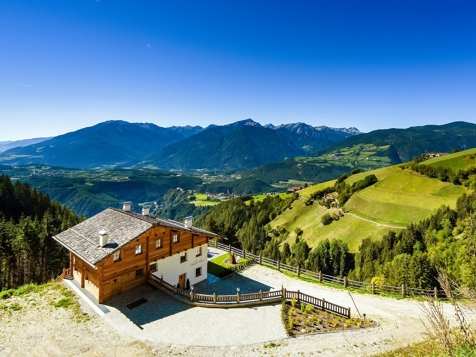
(349, 228)
(399, 198)
(402, 197)
(459, 160)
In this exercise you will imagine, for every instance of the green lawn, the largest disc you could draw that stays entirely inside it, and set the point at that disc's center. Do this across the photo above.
(218, 267)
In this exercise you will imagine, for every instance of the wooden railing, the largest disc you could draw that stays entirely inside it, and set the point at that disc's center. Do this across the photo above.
(64, 274)
(252, 298)
(373, 288)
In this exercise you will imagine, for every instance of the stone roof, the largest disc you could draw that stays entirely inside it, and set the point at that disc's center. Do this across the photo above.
(122, 227)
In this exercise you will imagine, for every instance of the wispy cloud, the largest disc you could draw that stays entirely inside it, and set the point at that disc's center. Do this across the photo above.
(23, 85)
(148, 45)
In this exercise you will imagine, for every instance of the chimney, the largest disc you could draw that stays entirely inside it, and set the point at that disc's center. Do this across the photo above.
(145, 210)
(188, 222)
(102, 238)
(126, 206)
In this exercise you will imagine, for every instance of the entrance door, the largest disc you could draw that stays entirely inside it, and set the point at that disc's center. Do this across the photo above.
(181, 280)
(116, 286)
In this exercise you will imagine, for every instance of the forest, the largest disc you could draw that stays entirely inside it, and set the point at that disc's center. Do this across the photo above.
(28, 220)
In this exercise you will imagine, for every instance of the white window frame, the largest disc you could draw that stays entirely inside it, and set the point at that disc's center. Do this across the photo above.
(158, 243)
(198, 251)
(117, 255)
(183, 257)
(138, 249)
(175, 238)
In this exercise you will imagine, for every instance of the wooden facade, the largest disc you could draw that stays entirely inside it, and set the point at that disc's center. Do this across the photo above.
(128, 265)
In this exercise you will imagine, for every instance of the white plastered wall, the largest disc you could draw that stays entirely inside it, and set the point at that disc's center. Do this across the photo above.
(170, 268)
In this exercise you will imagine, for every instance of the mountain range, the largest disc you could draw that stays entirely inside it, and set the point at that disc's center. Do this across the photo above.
(6, 145)
(271, 151)
(405, 144)
(240, 145)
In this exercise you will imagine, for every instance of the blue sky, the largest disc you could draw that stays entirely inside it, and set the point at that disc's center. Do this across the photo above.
(67, 64)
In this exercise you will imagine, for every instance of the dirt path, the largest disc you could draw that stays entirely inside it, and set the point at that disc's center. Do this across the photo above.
(376, 223)
(40, 329)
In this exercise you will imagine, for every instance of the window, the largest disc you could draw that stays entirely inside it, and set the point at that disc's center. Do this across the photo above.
(153, 266)
(198, 271)
(139, 272)
(117, 255)
(175, 238)
(183, 257)
(138, 249)
(158, 243)
(198, 251)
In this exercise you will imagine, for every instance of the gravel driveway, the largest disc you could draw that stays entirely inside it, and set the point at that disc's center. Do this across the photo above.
(164, 321)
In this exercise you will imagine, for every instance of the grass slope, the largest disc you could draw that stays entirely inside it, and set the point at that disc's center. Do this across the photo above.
(403, 197)
(349, 228)
(456, 161)
(398, 199)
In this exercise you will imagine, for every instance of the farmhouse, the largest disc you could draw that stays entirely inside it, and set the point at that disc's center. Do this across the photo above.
(116, 250)
(294, 189)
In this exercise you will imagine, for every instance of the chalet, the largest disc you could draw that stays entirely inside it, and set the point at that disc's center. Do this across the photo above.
(294, 189)
(116, 250)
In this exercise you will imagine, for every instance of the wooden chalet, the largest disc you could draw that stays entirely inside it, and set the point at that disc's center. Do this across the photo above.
(116, 250)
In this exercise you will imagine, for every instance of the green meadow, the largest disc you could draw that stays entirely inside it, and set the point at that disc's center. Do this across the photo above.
(456, 161)
(400, 197)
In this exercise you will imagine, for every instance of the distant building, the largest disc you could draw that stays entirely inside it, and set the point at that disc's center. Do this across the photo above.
(294, 189)
(436, 154)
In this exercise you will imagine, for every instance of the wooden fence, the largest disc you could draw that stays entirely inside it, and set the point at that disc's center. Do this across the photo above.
(253, 298)
(329, 279)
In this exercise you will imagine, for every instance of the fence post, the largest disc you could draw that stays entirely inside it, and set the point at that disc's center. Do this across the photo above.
(299, 297)
(191, 295)
(237, 296)
(214, 298)
(403, 290)
(260, 258)
(345, 282)
(320, 276)
(260, 295)
(244, 254)
(229, 248)
(436, 292)
(279, 264)
(373, 287)
(323, 304)
(299, 271)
